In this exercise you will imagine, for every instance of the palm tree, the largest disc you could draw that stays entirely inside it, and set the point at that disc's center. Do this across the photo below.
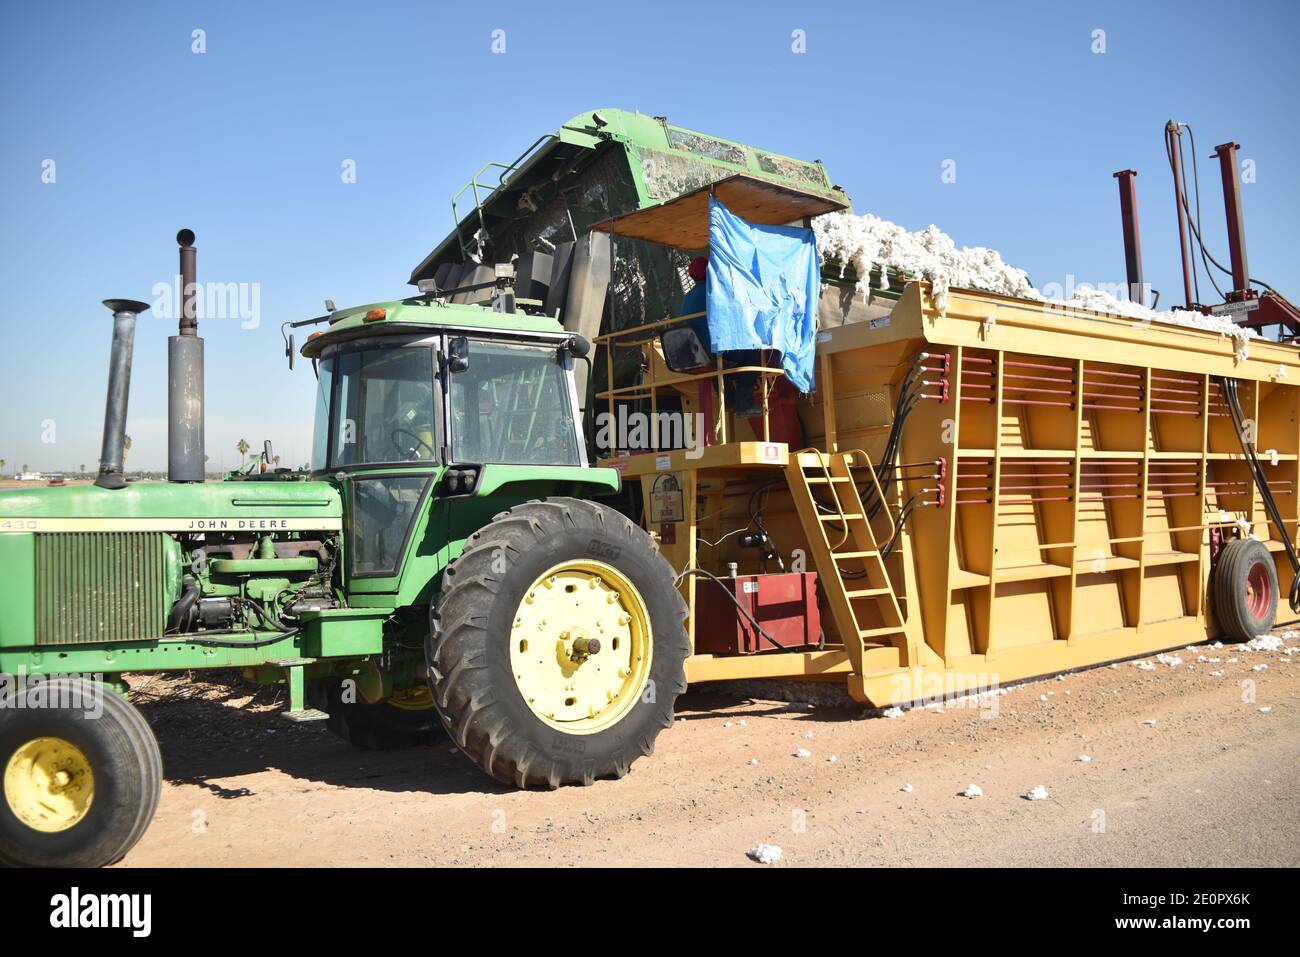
(82, 470)
(126, 446)
(2, 465)
(243, 447)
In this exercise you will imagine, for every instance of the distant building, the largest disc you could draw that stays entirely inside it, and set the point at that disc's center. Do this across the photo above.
(30, 477)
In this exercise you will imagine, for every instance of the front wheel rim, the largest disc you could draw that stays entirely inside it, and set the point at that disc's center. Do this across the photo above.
(581, 646)
(49, 784)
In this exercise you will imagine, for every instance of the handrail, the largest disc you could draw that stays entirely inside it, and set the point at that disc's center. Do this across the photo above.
(608, 336)
(475, 185)
(690, 377)
(823, 460)
(880, 495)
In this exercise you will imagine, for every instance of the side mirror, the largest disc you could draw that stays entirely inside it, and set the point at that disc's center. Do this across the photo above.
(577, 346)
(289, 351)
(683, 351)
(458, 354)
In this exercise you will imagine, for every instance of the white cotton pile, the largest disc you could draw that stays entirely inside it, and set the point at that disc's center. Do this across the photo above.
(764, 853)
(1037, 793)
(973, 791)
(1262, 643)
(866, 241)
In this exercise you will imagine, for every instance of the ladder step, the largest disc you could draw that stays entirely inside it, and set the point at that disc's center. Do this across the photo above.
(873, 632)
(837, 517)
(838, 555)
(824, 481)
(868, 592)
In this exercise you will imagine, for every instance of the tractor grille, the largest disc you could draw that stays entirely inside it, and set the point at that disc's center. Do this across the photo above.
(100, 586)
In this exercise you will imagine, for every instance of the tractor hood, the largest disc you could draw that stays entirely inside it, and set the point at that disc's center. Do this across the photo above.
(174, 507)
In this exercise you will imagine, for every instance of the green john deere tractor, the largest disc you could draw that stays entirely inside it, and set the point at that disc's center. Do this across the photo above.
(441, 568)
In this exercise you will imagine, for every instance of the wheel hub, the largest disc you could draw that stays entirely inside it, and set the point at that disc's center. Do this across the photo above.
(1259, 590)
(49, 784)
(580, 646)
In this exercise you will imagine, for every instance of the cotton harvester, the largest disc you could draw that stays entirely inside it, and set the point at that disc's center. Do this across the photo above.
(916, 495)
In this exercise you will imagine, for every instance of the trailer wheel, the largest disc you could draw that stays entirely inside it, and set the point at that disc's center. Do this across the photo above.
(82, 776)
(1245, 589)
(406, 719)
(558, 645)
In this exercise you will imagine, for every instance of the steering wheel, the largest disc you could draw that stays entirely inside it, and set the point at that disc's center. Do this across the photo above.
(419, 441)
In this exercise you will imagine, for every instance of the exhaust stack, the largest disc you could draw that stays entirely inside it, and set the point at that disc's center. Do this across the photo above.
(185, 459)
(113, 452)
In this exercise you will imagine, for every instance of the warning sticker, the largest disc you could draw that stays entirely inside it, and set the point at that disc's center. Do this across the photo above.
(666, 501)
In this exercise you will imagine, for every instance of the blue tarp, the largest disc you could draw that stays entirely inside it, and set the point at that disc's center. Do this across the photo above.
(763, 286)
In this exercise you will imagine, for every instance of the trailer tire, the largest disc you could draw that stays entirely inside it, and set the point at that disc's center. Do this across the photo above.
(79, 787)
(1245, 589)
(384, 726)
(519, 682)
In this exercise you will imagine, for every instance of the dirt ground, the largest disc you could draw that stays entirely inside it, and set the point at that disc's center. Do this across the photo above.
(1211, 782)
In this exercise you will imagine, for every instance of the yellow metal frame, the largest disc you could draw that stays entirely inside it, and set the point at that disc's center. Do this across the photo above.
(1076, 512)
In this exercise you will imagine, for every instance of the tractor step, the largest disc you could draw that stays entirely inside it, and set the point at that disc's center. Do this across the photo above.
(304, 715)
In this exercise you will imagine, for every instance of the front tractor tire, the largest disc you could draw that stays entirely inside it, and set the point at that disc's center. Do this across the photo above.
(82, 774)
(558, 645)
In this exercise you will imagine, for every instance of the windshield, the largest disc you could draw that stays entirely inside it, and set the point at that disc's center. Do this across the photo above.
(511, 404)
(383, 408)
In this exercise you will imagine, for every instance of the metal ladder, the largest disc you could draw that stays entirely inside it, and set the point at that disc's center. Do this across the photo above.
(839, 473)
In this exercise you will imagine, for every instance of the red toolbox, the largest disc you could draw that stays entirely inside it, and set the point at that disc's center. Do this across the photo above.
(784, 604)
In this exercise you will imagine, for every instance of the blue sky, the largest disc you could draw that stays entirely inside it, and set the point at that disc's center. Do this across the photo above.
(244, 144)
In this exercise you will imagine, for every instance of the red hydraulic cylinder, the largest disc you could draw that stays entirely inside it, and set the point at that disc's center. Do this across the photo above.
(1227, 153)
(1132, 235)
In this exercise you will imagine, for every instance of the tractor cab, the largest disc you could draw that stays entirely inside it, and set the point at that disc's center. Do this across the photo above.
(425, 397)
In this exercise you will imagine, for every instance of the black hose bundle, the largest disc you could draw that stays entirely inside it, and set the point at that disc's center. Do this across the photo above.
(1229, 387)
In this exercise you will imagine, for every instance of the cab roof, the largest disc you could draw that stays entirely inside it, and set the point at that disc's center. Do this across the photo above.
(407, 315)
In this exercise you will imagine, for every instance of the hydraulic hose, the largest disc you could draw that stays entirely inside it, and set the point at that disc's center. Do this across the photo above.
(206, 641)
(739, 607)
(1229, 387)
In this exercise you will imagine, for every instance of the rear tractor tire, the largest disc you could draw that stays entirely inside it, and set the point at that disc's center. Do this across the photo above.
(82, 776)
(1245, 589)
(406, 719)
(558, 645)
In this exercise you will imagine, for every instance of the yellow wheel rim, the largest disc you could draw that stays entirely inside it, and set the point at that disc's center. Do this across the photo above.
(415, 698)
(49, 785)
(580, 646)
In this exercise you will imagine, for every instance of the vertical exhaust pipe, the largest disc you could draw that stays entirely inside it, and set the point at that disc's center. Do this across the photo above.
(185, 458)
(113, 452)
(1132, 236)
